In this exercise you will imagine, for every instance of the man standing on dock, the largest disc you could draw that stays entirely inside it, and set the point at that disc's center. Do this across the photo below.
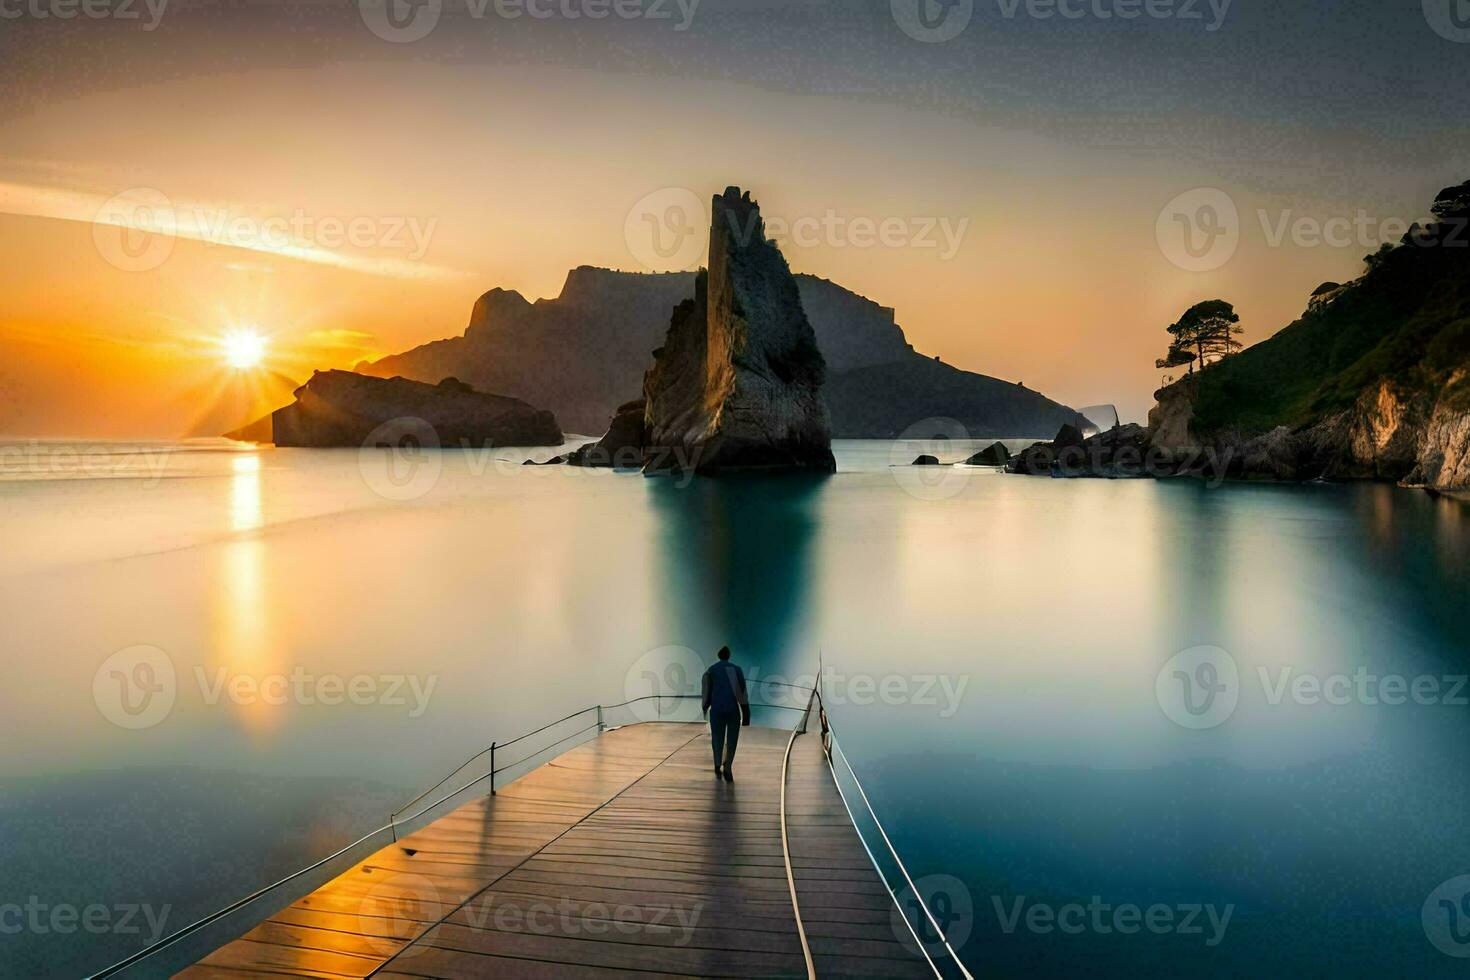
(725, 701)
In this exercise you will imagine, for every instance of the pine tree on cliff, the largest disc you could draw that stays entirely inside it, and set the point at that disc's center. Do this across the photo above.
(1206, 330)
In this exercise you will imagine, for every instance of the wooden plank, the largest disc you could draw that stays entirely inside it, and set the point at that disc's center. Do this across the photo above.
(623, 857)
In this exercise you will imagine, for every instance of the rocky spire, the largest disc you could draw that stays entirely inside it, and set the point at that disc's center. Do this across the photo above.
(737, 384)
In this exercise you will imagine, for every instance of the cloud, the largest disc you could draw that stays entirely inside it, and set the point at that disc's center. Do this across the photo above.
(324, 239)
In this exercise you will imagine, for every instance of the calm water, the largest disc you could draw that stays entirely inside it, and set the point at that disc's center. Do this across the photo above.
(992, 645)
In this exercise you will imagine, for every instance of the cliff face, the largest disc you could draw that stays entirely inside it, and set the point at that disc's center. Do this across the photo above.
(339, 408)
(737, 383)
(1373, 382)
(581, 353)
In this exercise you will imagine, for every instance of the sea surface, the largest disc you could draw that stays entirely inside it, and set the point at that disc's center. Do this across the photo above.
(1064, 699)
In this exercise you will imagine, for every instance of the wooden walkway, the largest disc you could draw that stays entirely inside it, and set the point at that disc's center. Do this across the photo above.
(624, 857)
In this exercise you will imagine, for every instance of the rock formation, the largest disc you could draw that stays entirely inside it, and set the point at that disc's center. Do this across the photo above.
(621, 447)
(737, 383)
(1121, 452)
(340, 408)
(995, 454)
(581, 353)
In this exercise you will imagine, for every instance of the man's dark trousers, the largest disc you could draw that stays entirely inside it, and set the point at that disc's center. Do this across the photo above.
(724, 730)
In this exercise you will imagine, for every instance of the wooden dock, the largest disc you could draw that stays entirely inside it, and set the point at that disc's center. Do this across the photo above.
(623, 857)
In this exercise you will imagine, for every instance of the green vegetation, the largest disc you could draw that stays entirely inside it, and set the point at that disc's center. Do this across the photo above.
(1407, 319)
(1206, 330)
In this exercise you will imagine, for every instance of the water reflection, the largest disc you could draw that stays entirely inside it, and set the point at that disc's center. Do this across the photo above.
(242, 646)
(736, 563)
(245, 514)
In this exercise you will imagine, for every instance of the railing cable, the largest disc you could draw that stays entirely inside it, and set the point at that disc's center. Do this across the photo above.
(806, 949)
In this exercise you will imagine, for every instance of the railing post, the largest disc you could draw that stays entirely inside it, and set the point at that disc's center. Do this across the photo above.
(600, 725)
(492, 768)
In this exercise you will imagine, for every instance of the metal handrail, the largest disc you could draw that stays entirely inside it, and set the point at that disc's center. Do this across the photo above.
(836, 749)
(392, 826)
(806, 949)
(599, 708)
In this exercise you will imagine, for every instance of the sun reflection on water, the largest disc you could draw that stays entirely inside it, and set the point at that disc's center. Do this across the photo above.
(243, 646)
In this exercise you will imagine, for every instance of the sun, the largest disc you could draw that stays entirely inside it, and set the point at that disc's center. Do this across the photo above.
(243, 349)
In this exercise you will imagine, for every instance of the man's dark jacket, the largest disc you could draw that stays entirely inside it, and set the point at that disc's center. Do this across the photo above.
(723, 691)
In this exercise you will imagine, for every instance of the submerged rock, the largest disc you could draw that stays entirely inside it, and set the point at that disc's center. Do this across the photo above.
(737, 383)
(340, 408)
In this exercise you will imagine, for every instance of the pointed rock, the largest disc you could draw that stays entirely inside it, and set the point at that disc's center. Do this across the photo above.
(737, 384)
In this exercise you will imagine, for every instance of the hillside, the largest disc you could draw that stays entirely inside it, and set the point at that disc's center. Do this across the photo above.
(1373, 380)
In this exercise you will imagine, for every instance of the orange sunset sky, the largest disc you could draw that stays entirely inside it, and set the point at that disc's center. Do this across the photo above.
(517, 151)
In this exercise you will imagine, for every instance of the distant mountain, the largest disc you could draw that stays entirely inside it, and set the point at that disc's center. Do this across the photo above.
(581, 353)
